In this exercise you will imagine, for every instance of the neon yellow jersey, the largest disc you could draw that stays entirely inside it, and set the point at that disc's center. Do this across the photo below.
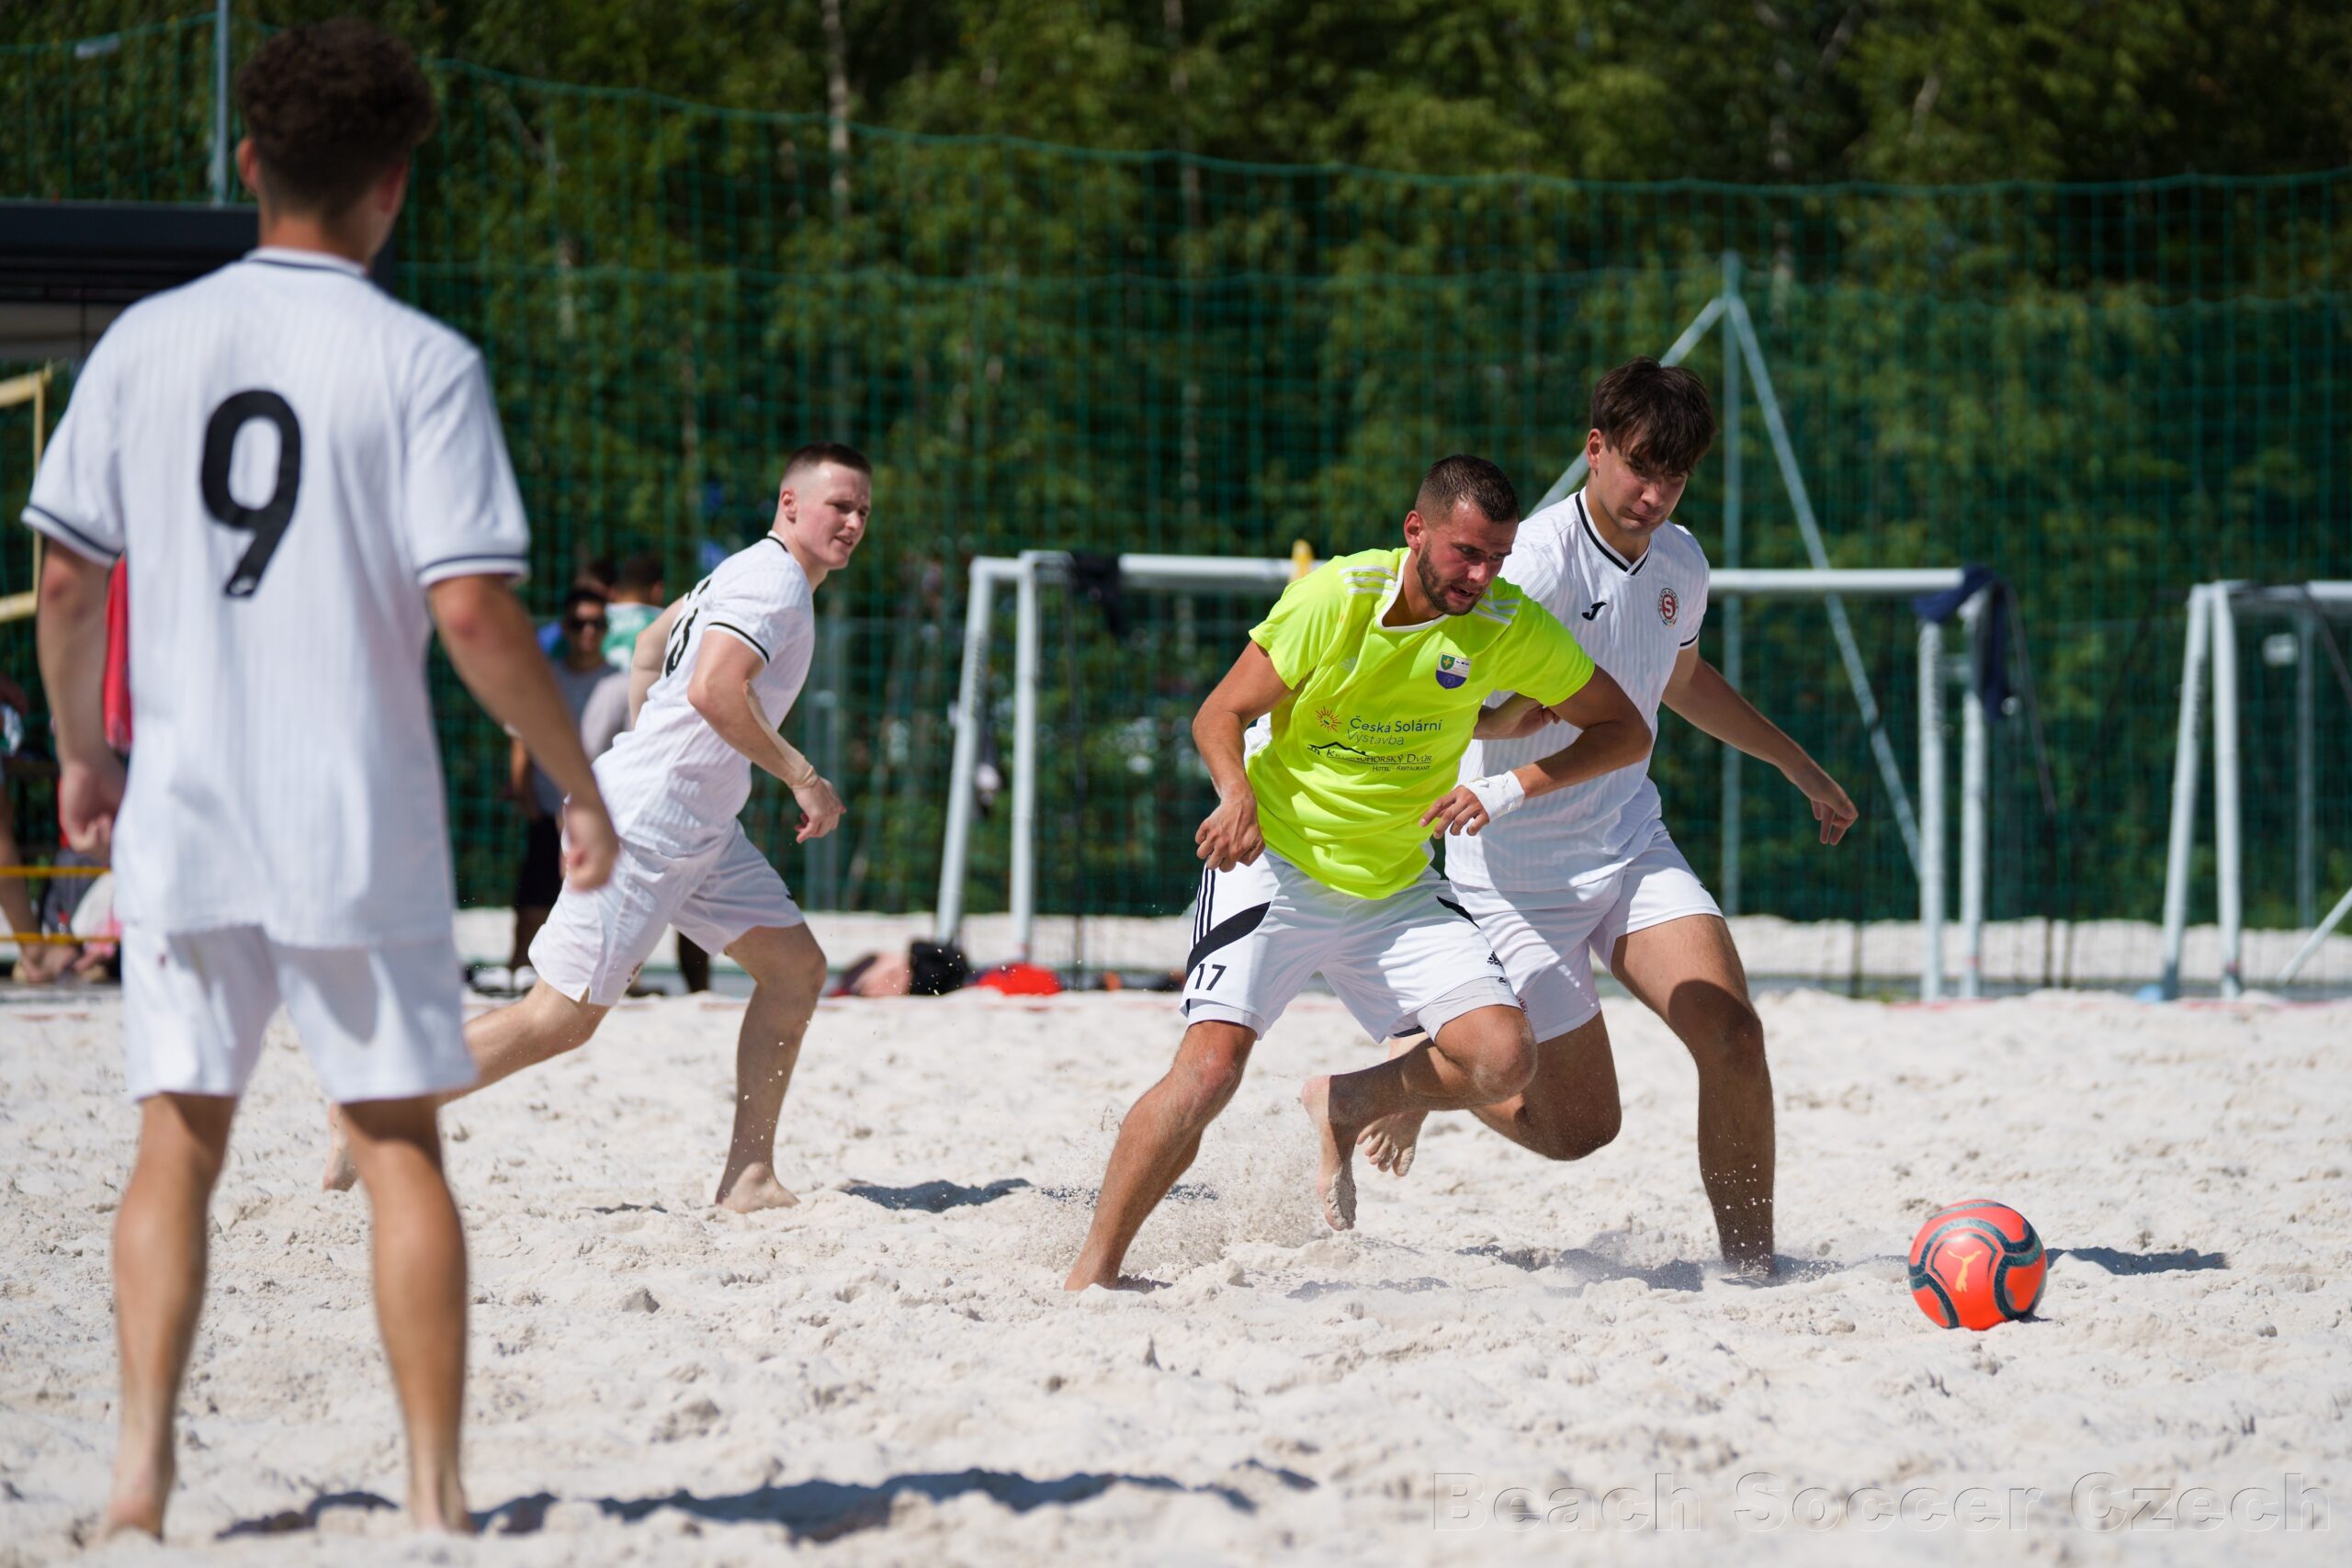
(1378, 716)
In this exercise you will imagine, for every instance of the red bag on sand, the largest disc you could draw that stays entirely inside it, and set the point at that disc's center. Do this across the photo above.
(1020, 980)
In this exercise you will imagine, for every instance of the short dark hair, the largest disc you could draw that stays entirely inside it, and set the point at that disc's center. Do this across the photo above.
(638, 574)
(1464, 478)
(575, 597)
(818, 452)
(1655, 416)
(330, 108)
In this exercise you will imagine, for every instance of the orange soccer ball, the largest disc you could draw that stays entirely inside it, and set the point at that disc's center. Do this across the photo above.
(1976, 1264)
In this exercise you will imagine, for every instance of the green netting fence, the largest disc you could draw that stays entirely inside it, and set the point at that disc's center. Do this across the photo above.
(2106, 392)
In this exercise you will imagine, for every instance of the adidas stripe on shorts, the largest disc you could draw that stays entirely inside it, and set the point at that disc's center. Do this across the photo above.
(1260, 931)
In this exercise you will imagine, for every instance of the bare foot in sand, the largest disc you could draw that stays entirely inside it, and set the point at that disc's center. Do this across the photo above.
(1132, 1282)
(1335, 1177)
(440, 1508)
(1390, 1142)
(340, 1175)
(754, 1189)
(136, 1505)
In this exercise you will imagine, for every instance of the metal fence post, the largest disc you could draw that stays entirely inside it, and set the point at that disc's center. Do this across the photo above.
(2182, 838)
(1728, 880)
(1931, 811)
(1974, 746)
(221, 159)
(2227, 858)
(963, 769)
(1024, 756)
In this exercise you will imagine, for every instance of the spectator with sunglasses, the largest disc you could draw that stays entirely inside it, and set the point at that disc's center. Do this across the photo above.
(580, 671)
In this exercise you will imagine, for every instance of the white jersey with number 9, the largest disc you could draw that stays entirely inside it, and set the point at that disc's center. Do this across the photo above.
(286, 457)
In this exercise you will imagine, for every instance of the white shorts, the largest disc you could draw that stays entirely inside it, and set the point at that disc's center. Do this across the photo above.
(1547, 941)
(378, 1023)
(1260, 931)
(595, 942)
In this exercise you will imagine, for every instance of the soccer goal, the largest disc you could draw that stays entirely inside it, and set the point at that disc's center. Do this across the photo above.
(2211, 676)
(1259, 581)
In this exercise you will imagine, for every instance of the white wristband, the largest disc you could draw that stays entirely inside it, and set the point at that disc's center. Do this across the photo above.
(1500, 794)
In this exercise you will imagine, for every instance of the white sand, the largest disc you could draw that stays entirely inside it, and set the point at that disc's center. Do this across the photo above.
(875, 1377)
(1884, 955)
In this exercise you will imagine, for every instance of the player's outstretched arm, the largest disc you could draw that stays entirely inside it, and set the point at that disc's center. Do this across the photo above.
(1613, 735)
(721, 691)
(1229, 836)
(492, 645)
(1699, 693)
(72, 634)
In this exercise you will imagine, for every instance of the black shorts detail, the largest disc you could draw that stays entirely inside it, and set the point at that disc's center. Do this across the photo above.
(1226, 932)
(541, 882)
(1458, 910)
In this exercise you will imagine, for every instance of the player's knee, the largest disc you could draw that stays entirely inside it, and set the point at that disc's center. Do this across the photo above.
(809, 971)
(187, 1137)
(1208, 1073)
(794, 969)
(1496, 1050)
(384, 1133)
(1735, 1043)
(1594, 1128)
(559, 1023)
(1209, 1086)
(193, 1165)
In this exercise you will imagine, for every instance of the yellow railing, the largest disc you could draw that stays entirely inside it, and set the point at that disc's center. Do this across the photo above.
(31, 388)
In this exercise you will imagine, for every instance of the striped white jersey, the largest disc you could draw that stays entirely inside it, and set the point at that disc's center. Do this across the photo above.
(672, 784)
(286, 457)
(1634, 618)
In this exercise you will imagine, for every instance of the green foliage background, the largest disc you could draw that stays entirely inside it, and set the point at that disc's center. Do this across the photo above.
(2059, 287)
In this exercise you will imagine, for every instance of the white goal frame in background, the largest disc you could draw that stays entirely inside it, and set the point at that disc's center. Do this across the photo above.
(1028, 571)
(2211, 645)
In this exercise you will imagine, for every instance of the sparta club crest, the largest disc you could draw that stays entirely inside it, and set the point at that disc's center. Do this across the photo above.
(1669, 606)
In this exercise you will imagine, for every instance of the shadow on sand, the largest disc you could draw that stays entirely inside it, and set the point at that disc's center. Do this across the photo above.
(286, 1521)
(1585, 1266)
(812, 1510)
(2118, 1262)
(935, 1197)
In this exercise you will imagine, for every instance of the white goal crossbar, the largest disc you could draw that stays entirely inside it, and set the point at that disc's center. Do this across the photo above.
(2212, 645)
(1026, 573)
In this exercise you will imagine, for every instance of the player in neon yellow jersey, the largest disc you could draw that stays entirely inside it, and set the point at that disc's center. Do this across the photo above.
(1373, 669)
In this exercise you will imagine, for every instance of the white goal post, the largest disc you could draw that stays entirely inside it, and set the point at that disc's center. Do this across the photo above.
(2210, 647)
(1026, 573)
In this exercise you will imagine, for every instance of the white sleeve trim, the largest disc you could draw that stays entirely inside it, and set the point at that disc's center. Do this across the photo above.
(42, 521)
(739, 635)
(483, 564)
